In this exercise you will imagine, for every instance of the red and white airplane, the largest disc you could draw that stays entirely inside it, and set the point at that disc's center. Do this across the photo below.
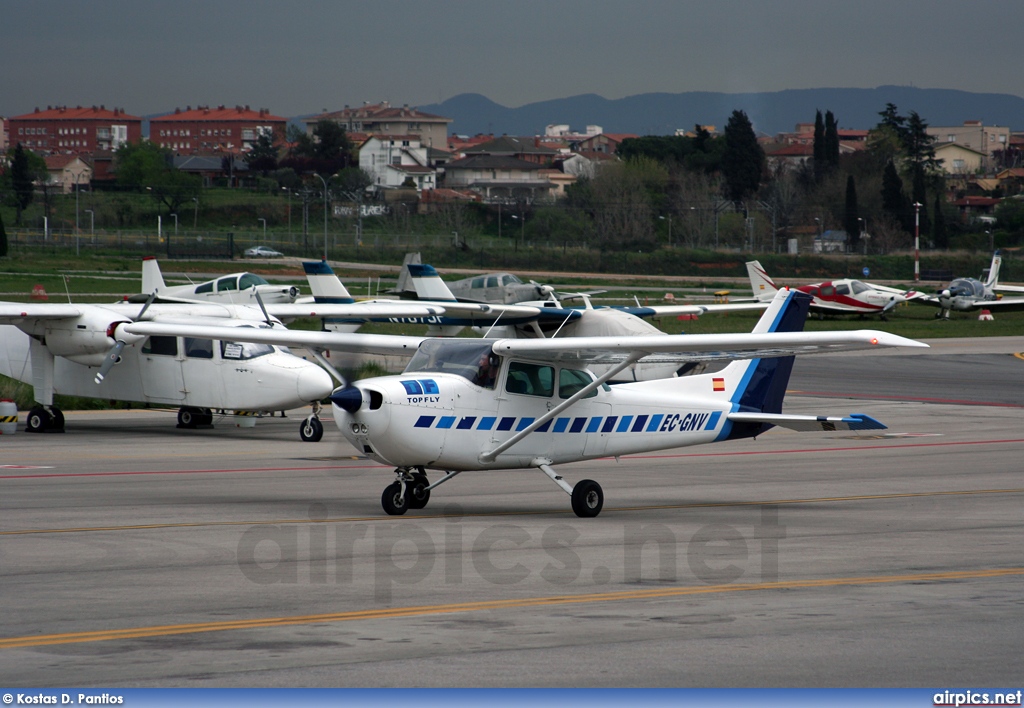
(835, 297)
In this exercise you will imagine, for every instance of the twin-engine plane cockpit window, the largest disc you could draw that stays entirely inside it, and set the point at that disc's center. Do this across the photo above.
(240, 351)
(164, 346)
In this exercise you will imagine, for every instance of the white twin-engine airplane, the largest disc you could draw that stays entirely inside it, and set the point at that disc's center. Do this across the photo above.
(73, 349)
(504, 404)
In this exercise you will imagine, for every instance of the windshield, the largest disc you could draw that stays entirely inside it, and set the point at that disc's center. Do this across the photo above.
(450, 356)
(249, 279)
(859, 287)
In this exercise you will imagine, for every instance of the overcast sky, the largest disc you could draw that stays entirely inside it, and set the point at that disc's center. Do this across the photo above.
(303, 56)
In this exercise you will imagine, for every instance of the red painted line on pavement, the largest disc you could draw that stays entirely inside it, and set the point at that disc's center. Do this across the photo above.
(148, 472)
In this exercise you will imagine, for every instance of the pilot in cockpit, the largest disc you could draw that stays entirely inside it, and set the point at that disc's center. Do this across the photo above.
(487, 370)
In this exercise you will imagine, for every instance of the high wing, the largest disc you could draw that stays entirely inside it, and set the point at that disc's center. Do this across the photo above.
(656, 311)
(11, 312)
(360, 310)
(698, 347)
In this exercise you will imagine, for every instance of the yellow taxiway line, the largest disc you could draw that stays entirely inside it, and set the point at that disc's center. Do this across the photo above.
(490, 605)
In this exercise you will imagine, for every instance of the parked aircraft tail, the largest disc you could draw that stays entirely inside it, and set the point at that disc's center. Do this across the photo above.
(324, 284)
(760, 282)
(428, 284)
(152, 278)
(992, 279)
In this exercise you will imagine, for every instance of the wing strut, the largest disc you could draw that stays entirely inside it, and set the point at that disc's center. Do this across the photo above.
(632, 359)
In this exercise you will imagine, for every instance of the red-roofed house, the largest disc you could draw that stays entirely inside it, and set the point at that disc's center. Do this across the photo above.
(220, 129)
(74, 130)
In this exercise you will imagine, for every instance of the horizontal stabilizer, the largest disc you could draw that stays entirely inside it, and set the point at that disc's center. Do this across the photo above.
(810, 423)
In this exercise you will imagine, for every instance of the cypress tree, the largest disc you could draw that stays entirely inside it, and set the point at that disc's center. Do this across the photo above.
(819, 147)
(21, 182)
(893, 200)
(743, 162)
(831, 141)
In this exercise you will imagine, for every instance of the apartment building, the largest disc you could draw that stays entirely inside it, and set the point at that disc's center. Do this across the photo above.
(74, 130)
(219, 129)
(974, 134)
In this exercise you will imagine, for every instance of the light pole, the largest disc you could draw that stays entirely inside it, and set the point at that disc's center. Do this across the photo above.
(669, 229)
(917, 242)
(175, 224)
(325, 213)
(195, 219)
(522, 229)
(264, 229)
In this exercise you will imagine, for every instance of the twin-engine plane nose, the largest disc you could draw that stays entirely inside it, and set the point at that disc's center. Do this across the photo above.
(314, 383)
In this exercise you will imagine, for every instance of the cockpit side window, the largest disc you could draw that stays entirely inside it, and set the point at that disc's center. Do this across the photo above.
(827, 291)
(227, 284)
(198, 348)
(462, 357)
(843, 289)
(492, 282)
(859, 287)
(204, 288)
(240, 351)
(530, 379)
(478, 282)
(165, 346)
(571, 381)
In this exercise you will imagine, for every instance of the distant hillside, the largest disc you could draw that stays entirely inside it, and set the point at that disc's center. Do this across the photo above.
(771, 113)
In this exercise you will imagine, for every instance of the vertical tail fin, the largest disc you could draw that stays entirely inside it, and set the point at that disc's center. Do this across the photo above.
(152, 278)
(992, 281)
(324, 284)
(762, 285)
(428, 283)
(759, 385)
(404, 286)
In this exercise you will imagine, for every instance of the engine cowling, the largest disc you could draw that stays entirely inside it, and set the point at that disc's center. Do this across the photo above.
(86, 339)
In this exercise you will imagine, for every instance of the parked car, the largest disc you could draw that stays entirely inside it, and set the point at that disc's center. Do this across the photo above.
(262, 252)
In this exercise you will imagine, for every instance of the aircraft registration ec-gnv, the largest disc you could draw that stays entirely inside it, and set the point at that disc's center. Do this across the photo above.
(504, 404)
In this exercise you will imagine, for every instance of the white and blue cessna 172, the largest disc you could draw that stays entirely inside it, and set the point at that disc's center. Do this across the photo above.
(465, 404)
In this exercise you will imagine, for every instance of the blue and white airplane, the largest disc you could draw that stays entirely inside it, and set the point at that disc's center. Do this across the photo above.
(969, 294)
(506, 404)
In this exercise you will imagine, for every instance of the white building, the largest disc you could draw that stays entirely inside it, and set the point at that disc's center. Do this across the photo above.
(392, 160)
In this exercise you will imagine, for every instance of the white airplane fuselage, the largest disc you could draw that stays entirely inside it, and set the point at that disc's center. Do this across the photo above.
(219, 376)
(450, 421)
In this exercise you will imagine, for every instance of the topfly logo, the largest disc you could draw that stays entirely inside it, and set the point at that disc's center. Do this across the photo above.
(422, 391)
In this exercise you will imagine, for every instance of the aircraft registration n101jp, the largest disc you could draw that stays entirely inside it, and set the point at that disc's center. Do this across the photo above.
(510, 404)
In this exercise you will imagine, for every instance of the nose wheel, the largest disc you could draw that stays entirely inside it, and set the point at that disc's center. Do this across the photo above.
(410, 490)
(311, 429)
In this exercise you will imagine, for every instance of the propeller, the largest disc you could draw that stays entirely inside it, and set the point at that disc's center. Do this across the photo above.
(121, 339)
(542, 290)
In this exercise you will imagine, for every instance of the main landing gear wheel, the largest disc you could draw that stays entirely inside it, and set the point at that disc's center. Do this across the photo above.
(587, 498)
(311, 429)
(189, 417)
(393, 501)
(39, 420)
(416, 493)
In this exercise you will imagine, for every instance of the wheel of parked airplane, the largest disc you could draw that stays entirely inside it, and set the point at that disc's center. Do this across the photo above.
(56, 419)
(392, 500)
(311, 430)
(587, 498)
(416, 492)
(38, 420)
(188, 417)
(205, 416)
